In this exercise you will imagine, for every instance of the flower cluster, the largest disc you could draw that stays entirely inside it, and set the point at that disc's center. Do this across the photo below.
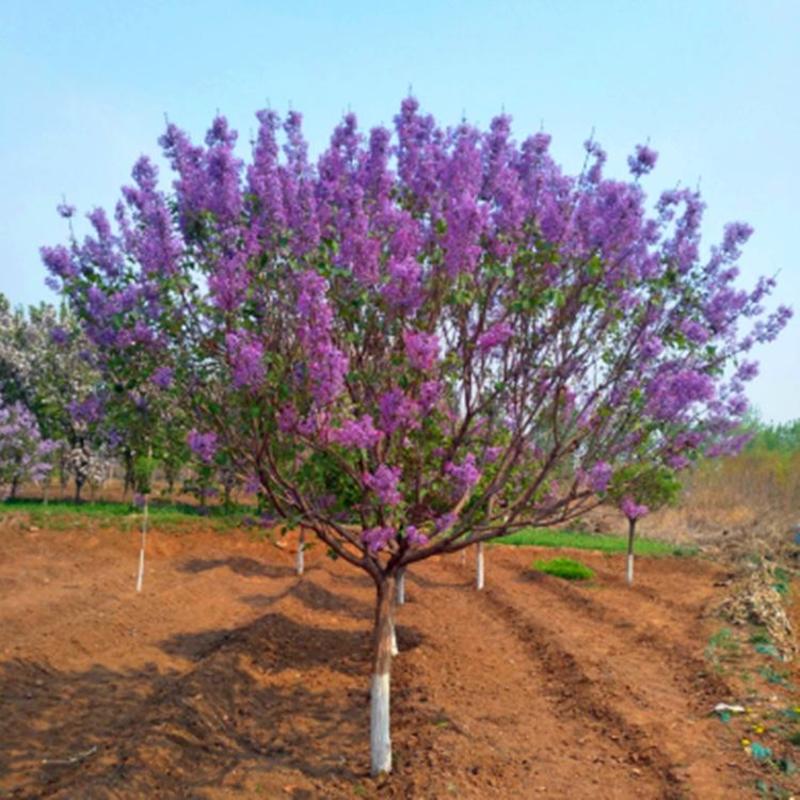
(422, 349)
(466, 474)
(600, 476)
(631, 509)
(203, 445)
(326, 364)
(384, 483)
(246, 357)
(360, 433)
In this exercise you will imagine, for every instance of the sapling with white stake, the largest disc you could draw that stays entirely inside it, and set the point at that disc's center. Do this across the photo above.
(637, 490)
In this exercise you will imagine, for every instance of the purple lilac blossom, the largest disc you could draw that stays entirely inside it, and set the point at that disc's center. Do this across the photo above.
(246, 356)
(397, 410)
(203, 445)
(162, 377)
(600, 476)
(415, 537)
(422, 349)
(466, 474)
(384, 483)
(496, 335)
(643, 161)
(377, 538)
(357, 433)
(631, 509)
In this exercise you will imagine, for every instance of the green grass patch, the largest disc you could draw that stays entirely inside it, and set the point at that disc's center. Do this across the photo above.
(564, 568)
(548, 537)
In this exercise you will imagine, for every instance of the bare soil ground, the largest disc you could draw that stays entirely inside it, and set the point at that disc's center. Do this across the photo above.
(229, 677)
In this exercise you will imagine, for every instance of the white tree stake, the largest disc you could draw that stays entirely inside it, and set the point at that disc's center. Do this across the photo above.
(631, 534)
(140, 576)
(300, 555)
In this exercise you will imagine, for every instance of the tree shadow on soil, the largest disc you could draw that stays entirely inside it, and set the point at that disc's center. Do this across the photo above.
(414, 577)
(271, 695)
(241, 565)
(315, 597)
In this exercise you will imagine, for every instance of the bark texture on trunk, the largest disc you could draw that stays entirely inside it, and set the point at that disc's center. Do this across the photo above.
(380, 738)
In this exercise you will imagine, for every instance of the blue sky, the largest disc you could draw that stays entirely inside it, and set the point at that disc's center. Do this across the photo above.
(85, 86)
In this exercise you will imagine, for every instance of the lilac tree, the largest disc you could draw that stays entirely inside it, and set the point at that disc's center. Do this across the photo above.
(24, 454)
(424, 340)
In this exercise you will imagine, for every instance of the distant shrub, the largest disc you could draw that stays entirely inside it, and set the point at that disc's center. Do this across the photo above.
(564, 568)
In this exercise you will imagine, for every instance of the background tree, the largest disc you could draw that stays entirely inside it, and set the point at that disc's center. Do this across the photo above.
(637, 490)
(24, 454)
(460, 338)
(48, 365)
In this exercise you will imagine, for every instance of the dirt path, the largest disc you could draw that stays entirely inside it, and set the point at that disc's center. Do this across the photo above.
(229, 677)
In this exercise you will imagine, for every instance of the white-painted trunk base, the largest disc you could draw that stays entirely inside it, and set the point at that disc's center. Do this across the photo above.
(395, 650)
(479, 576)
(629, 572)
(380, 739)
(300, 560)
(401, 588)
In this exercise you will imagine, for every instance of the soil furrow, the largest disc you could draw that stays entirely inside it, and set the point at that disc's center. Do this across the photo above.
(630, 677)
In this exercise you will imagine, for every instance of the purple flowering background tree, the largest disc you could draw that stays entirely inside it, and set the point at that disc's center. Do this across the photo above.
(48, 365)
(426, 339)
(24, 454)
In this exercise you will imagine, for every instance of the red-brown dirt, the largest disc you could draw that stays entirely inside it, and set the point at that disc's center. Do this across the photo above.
(230, 677)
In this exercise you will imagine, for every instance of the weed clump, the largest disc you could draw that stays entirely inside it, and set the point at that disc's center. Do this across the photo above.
(564, 568)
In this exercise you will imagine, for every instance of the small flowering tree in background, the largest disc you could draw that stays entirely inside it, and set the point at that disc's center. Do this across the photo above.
(203, 481)
(49, 366)
(422, 341)
(24, 454)
(638, 490)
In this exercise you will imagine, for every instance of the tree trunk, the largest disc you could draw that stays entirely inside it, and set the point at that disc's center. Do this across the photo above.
(300, 557)
(78, 487)
(401, 586)
(479, 566)
(380, 738)
(631, 532)
(14, 485)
